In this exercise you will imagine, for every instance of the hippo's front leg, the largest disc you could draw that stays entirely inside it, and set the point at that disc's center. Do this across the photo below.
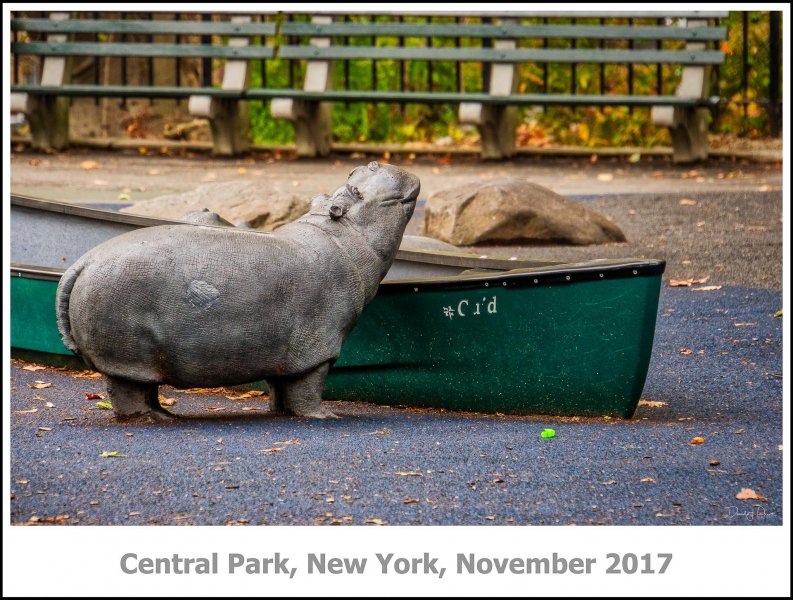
(300, 395)
(132, 399)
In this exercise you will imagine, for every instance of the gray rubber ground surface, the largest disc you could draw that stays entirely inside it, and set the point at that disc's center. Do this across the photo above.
(215, 467)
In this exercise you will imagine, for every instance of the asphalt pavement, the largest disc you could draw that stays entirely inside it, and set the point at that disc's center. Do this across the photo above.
(399, 466)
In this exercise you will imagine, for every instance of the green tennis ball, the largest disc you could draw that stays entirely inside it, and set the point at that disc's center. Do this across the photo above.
(548, 433)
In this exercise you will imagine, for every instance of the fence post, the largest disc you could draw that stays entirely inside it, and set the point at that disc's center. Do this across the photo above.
(774, 115)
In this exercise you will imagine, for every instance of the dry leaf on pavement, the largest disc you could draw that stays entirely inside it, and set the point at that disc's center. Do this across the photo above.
(749, 494)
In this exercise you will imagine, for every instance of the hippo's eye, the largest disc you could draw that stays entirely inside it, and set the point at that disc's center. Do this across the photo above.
(374, 165)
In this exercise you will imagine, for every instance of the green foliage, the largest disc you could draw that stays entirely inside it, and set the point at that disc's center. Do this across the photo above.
(586, 126)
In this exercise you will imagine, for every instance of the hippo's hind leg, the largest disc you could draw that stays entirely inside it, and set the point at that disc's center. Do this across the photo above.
(134, 399)
(300, 395)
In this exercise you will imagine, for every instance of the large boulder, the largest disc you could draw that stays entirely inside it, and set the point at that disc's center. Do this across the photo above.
(244, 203)
(509, 209)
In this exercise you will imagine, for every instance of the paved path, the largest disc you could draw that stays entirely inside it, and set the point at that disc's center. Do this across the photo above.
(218, 467)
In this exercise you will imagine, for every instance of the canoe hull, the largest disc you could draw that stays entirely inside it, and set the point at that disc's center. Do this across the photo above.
(514, 344)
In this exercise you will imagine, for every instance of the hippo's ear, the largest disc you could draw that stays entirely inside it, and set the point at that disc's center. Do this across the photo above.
(337, 210)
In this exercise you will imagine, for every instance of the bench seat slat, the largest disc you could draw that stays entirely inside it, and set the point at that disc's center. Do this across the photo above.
(134, 49)
(540, 55)
(134, 26)
(475, 30)
(363, 95)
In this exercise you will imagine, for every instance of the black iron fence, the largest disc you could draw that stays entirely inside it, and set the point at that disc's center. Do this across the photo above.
(749, 83)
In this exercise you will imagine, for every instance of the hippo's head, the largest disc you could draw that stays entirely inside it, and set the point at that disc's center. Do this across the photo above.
(385, 185)
(386, 197)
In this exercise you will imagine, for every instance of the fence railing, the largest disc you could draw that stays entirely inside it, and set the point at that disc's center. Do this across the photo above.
(749, 83)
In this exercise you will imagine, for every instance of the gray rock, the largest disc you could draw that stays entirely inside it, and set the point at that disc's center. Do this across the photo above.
(213, 306)
(244, 203)
(509, 209)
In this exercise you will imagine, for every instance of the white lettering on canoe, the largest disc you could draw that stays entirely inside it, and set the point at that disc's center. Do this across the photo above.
(463, 308)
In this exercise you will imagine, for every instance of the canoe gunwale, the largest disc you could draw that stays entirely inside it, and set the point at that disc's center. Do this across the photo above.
(563, 273)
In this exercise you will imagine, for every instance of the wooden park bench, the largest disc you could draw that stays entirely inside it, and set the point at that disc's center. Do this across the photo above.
(46, 103)
(499, 46)
(502, 46)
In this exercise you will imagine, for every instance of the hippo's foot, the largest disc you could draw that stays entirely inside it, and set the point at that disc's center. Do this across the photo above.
(300, 396)
(137, 401)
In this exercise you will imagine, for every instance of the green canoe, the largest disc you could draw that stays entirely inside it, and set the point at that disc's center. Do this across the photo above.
(561, 339)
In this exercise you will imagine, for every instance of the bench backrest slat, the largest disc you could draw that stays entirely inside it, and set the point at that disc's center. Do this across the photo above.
(539, 55)
(485, 30)
(134, 49)
(133, 26)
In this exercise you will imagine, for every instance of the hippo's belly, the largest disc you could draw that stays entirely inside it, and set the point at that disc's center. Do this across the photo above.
(202, 307)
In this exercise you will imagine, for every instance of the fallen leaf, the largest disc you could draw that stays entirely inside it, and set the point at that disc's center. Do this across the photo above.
(134, 513)
(714, 463)
(706, 288)
(269, 450)
(605, 177)
(250, 408)
(688, 202)
(408, 473)
(233, 486)
(410, 501)
(697, 440)
(218, 390)
(686, 351)
(105, 404)
(749, 494)
(166, 401)
(87, 375)
(287, 443)
(647, 480)
(49, 405)
(33, 368)
(215, 408)
(380, 432)
(45, 428)
(22, 481)
(609, 482)
(111, 454)
(30, 411)
(548, 433)
(652, 403)
(490, 518)
(89, 165)
(90, 396)
(687, 282)
(40, 385)
(374, 521)
(249, 394)
(778, 314)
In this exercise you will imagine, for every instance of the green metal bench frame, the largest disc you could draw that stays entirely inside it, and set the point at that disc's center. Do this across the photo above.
(47, 104)
(494, 110)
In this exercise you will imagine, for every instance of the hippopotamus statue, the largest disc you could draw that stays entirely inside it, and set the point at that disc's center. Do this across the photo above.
(198, 306)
